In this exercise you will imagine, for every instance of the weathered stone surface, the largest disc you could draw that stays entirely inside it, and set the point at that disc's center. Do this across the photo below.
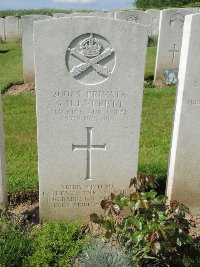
(154, 21)
(60, 15)
(184, 165)
(136, 16)
(27, 46)
(85, 14)
(20, 28)
(112, 13)
(3, 181)
(89, 101)
(170, 40)
(2, 29)
(12, 28)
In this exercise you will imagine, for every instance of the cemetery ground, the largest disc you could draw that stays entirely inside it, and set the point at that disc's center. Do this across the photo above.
(21, 244)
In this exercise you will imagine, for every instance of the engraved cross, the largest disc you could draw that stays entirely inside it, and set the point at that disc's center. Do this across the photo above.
(174, 51)
(89, 147)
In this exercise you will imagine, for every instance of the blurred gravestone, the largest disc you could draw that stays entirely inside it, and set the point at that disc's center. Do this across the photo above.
(184, 165)
(136, 16)
(12, 29)
(154, 22)
(2, 29)
(98, 14)
(27, 46)
(169, 42)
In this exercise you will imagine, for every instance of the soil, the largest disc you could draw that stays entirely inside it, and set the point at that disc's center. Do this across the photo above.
(22, 88)
(30, 211)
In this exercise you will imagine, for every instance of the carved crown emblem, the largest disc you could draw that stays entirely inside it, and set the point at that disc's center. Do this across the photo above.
(91, 46)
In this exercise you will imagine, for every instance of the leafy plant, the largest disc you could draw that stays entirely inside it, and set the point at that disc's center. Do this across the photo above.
(152, 229)
(15, 241)
(102, 255)
(56, 244)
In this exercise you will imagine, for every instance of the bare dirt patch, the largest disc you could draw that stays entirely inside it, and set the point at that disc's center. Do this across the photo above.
(27, 212)
(194, 222)
(30, 211)
(22, 88)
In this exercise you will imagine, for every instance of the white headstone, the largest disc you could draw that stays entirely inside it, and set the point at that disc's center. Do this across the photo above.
(111, 14)
(2, 29)
(100, 14)
(89, 101)
(60, 15)
(27, 46)
(3, 181)
(136, 16)
(85, 14)
(184, 165)
(12, 28)
(154, 21)
(169, 44)
(20, 28)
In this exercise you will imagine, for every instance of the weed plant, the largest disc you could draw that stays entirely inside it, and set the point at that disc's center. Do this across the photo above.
(15, 242)
(56, 244)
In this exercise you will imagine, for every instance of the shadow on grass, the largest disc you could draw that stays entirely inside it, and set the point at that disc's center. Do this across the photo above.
(5, 89)
(4, 51)
(191, 254)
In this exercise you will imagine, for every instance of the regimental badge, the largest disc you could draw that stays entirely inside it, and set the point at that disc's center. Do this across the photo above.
(177, 21)
(133, 18)
(93, 54)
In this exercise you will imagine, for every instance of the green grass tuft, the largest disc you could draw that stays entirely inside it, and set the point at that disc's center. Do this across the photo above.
(20, 142)
(57, 244)
(10, 65)
(150, 63)
(157, 116)
(15, 242)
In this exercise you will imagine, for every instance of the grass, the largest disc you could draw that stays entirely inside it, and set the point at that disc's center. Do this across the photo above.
(157, 115)
(150, 63)
(43, 11)
(20, 141)
(10, 64)
(21, 148)
(55, 244)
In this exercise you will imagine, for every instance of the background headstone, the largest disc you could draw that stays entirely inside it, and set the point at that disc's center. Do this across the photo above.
(136, 16)
(27, 46)
(170, 41)
(20, 28)
(2, 29)
(12, 31)
(85, 14)
(3, 181)
(184, 165)
(89, 101)
(154, 21)
(60, 15)
(111, 14)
